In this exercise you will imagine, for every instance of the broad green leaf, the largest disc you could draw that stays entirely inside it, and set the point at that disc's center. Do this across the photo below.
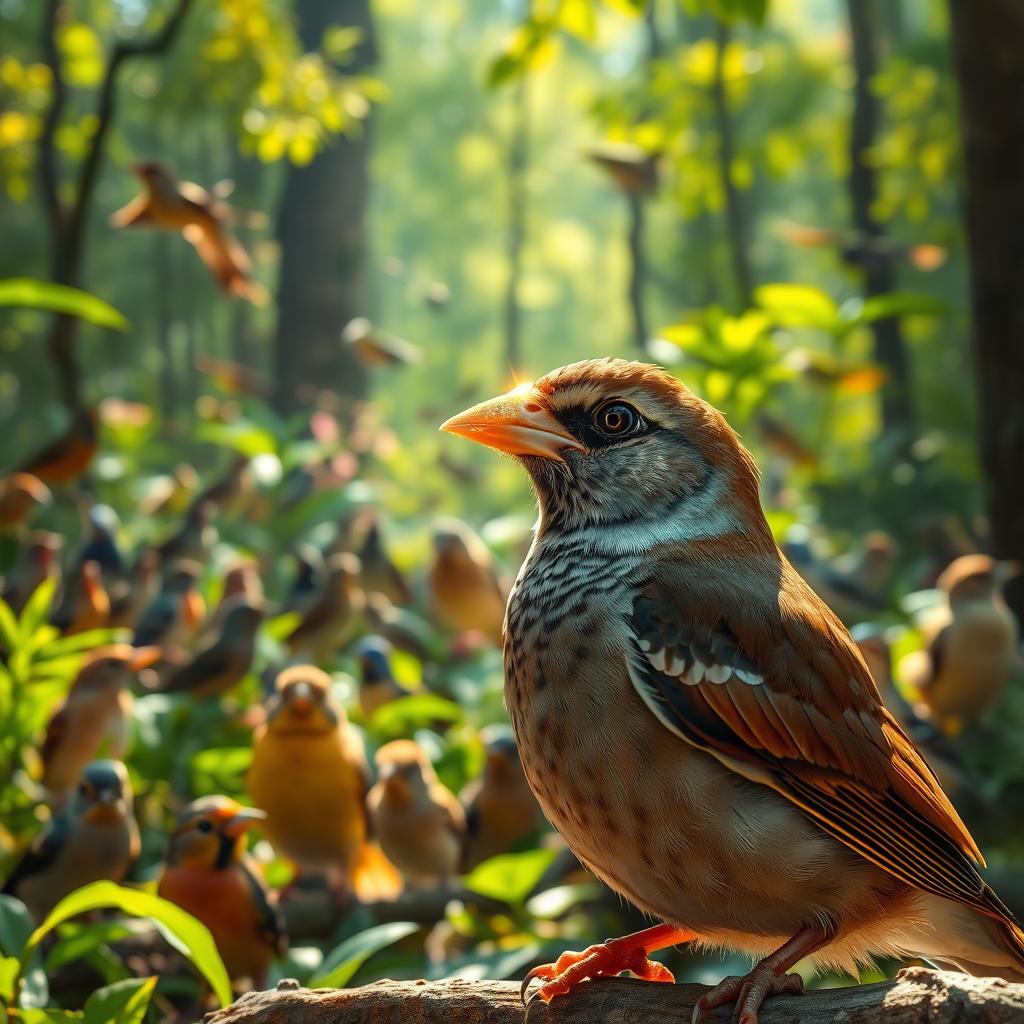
(59, 298)
(798, 305)
(83, 939)
(123, 1002)
(405, 715)
(16, 926)
(9, 632)
(552, 903)
(182, 930)
(341, 964)
(510, 877)
(898, 304)
(49, 1015)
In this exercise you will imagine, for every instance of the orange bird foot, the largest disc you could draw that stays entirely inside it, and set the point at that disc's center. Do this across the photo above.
(605, 960)
(748, 993)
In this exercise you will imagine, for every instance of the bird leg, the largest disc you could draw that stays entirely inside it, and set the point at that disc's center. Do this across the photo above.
(768, 977)
(607, 959)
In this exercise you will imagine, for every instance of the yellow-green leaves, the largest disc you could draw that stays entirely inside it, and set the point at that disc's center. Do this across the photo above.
(341, 964)
(59, 298)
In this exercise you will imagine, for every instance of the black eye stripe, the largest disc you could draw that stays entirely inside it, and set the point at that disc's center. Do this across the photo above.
(579, 420)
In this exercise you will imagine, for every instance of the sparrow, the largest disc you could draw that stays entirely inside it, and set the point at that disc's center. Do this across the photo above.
(194, 539)
(379, 574)
(242, 580)
(174, 615)
(130, 595)
(376, 348)
(697, 723)
(309, 775)
(202, 220)
(377, 683)
(67, 457)
(501, 810)
(224, 662)
(333, 618)
(96, 713)
(306, 584)
(973, 645)
(633, 170)
(86, 604)
(38, 561)
(94, 838)
(21, 496)
(207, 873)
(465, 591)
(418, 821)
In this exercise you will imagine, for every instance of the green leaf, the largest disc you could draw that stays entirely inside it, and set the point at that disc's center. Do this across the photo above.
(405, 715)
(510, 877)
(37, 608)
(189, 936)
(896, 304)
(16, 927)
(124, 1002)
(341, 964)
(798, 305)
(9, 632)
(81, 940)
(554, 903)
(59, 298)
(49, 1015)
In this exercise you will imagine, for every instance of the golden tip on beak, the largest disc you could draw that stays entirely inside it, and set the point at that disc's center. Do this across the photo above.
(244, 819)
(517, 423)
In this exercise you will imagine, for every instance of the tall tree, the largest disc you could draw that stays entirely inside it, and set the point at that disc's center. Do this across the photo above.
(988, 49)
(321, 228)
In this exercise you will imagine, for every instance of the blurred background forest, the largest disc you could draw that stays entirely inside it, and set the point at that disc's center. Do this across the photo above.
(255, 251)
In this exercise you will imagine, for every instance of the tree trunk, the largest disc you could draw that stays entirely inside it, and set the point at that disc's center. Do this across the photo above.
(321, 228)
(897, 411)
(988, 49)
(917, 996)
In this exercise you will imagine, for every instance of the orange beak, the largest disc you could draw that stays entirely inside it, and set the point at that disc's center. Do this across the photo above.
(517, 423)
(242, 820)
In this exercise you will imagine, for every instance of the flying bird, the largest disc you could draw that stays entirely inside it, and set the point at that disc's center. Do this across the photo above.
(697, 723)
(374, 347)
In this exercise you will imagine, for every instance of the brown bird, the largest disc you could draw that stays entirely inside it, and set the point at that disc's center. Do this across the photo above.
(501, 810)
(863, 250)
(94, 838)
(634, 171)
(465, 591)
(374, 347)
(418, 821)
(208, 874)
(38, 560)
(195, 537)
(378, 573)
(175, 614)
(70, 455)
(95, 717)
(129, 596)
(225, 661)
(241, 581)
(86, 604)
(697, 723)
(973, 646)
(334, 618)
(201, 218)
(21, 496)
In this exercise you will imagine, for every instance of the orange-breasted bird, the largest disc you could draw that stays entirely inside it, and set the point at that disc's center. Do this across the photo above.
(21, 496)
(465, 591)
(224, 662)
(208, 874)
(634, 171)
(175, 614)
(95, 716)
(501, 810)
(86, 604)
(972, 647)
(67, 457)
(201, 218)
(94, 838)
(333, 619)
(418, 821)
(38, 560)
(309, 775)
(697, 723)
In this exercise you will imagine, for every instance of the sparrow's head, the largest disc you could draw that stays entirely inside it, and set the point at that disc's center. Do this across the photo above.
(111, 666)
(210, 833)
(103, 795)
(301, 702)
(183, 576)
(405, 771)
(503, 766)
(456, 544)
(612, 443)
(976, 578)
(44, 548)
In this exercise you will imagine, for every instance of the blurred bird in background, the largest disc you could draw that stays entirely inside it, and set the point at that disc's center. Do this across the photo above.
(194, 539)
(374, 347)
(22, 495)
(38, 560)
(635, 171)
(308, 580)
(174, 615)
(334, 617)
(863, 250)
(86, 604)
(241, 582)
(501, 810)
(68, 457)
(101, 543)
(377, 683)
(133, 593)
(378, 573)
(465, 592)
(208, 874)
(93, 838)
(419, 823)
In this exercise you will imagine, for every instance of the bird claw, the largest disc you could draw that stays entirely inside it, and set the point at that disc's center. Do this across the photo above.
(748, 992)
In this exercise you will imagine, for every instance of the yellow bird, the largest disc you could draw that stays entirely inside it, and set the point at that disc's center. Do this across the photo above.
(208, 874)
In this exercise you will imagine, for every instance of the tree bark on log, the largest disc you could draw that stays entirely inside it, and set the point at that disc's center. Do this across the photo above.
(915, 996)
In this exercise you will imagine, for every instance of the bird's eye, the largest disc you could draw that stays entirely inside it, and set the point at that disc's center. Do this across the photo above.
(617, 419)
(205, 826)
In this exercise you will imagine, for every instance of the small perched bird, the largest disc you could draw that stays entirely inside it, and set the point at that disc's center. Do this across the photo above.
(241, 581)
(129, 596)
(96, 714)
(202, 220)
(70, 455)
(21, 496)
(501, 810)
(973, 644)
(229, 492)
(377, 348)
(402, 628)
(38, 560)
(419, 823)
(465, 591)
(225, 661)
(101, 546)
(378, 573)
(634, 171)
(86, 604)
(94, 838)
(309, 775)
(208, 874)
(377, 683)
(332, 620)
(174, 615)
(308, 581)
(194, 539)
(697, 723)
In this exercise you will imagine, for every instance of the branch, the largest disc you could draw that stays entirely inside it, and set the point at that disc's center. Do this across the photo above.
(916, 996)
(49, 177)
